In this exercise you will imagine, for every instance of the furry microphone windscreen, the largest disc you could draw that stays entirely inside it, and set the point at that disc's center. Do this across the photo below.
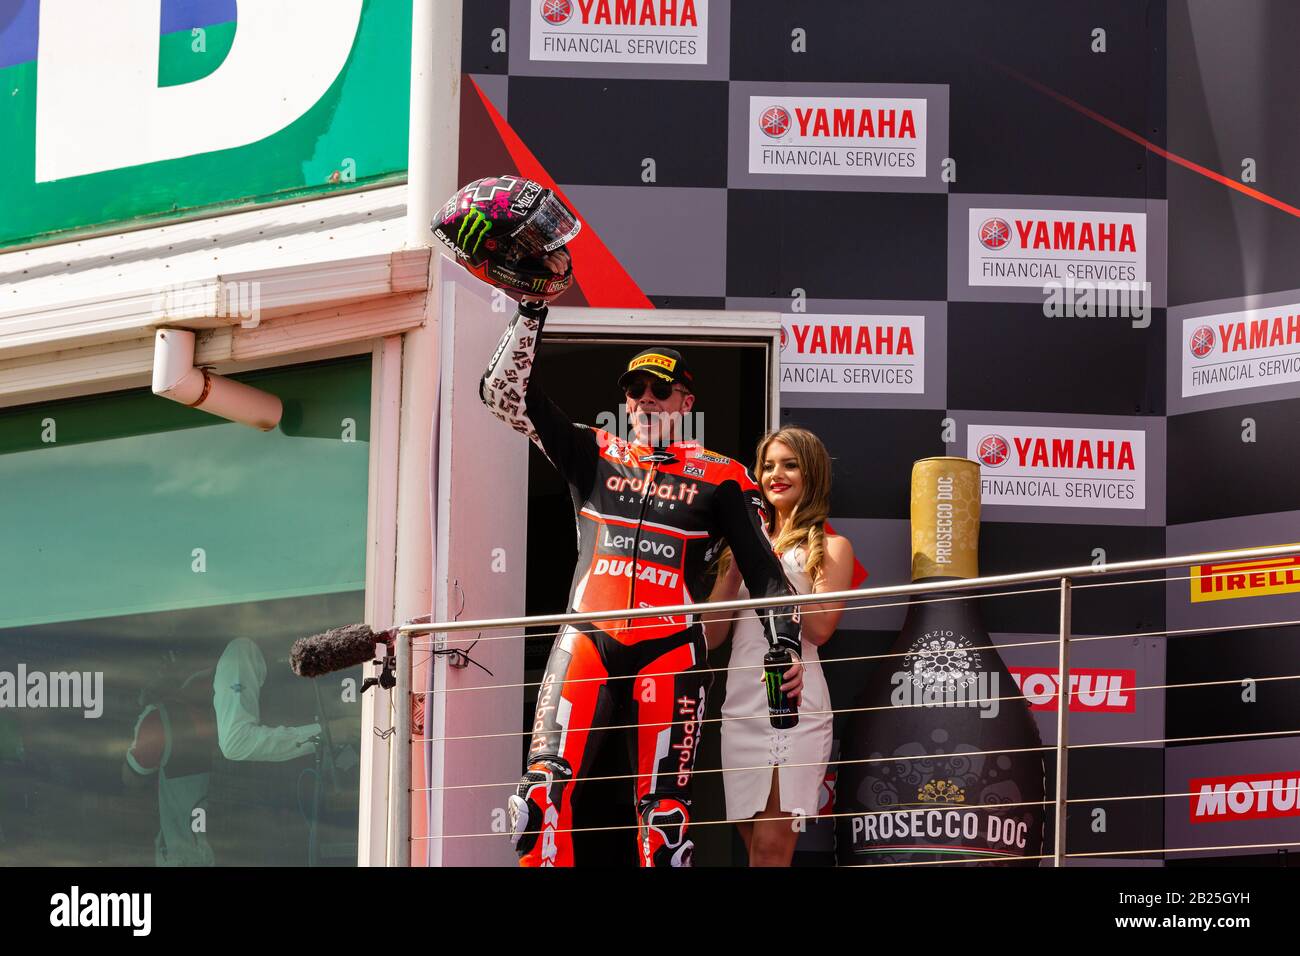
(337, 649)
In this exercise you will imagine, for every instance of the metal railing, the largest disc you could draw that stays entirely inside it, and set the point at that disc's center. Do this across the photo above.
(1064, 580)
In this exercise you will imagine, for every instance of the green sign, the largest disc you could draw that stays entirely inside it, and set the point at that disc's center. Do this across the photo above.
(108, 119)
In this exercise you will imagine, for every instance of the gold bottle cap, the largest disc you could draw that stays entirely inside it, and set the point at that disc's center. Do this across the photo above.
(945, 518)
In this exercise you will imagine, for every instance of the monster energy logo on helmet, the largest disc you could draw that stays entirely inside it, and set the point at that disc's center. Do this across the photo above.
(473, 230)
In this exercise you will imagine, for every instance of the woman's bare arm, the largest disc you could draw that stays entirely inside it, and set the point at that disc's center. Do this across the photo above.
(820, 620)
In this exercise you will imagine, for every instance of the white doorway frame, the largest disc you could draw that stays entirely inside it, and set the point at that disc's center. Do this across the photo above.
(664, 326)
(586, 325)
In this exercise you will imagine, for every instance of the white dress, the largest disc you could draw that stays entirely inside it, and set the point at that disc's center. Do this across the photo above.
(799, 754)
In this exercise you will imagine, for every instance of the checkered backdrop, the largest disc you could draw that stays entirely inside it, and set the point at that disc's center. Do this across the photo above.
(718, 155)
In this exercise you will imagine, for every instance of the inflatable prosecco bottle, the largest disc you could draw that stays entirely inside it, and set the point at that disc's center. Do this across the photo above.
(924, 792)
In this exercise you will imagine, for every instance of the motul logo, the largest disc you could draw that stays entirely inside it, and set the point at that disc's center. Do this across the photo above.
(1075, 236)
(1095, 690)
(638, 13)
(1259, 334)
(1244, 797)
(843, 340)
(1074, 453)
(856, 123)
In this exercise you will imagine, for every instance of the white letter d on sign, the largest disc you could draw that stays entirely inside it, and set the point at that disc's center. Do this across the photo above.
(99, 106)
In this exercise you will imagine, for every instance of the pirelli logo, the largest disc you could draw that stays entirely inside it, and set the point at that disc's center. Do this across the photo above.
(654, 359)
(1242, 579)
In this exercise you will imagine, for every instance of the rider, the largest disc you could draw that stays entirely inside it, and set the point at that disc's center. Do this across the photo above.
(652, 515)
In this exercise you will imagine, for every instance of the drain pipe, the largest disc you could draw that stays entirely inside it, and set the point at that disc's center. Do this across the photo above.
(175, 377)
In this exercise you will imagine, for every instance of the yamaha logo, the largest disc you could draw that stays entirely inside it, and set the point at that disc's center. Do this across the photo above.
(557, 12)
(774, 121)
(785, 339)
(1202, 341)
(994, 450)
(995, 233)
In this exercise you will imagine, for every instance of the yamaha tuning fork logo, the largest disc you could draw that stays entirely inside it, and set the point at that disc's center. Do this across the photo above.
(1202, 341)
(557, 12)
(994, 451)
(994, 233)
(774, 121)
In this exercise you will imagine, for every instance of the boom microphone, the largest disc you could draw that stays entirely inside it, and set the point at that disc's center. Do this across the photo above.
(337, 649)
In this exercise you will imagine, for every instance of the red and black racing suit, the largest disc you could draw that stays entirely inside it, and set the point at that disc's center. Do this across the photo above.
(650, 521)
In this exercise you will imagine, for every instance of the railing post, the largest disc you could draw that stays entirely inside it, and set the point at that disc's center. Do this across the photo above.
(399, 799)
(1063, 701)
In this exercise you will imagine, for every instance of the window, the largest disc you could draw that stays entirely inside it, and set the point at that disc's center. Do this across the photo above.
(157, 563)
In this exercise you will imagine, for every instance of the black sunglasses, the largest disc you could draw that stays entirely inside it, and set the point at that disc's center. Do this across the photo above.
(659, 389)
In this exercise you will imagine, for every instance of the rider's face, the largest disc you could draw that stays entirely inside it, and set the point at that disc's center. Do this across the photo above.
(657, 421)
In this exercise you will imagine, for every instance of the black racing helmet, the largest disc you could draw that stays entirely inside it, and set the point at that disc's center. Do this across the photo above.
(500, 227)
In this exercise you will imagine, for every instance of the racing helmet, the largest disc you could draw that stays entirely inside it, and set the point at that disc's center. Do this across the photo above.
(500, 227)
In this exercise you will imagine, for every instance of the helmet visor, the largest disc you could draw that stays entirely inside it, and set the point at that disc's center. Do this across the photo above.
(548, 228)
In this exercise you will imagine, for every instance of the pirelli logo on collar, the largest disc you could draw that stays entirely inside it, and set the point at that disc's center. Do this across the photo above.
(653, 359)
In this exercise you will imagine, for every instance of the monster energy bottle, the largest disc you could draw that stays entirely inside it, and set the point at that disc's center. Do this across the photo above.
(782, 712)
(922, 777)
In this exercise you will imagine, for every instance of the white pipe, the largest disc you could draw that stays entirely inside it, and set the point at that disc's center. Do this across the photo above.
(175, 377)
(399, 846)
(1063, 702)
(431, 178)
(435, 114)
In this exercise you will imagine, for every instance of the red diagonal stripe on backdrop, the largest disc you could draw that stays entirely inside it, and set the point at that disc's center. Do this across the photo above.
(859, 572)
(1146, 143)
(603, 280)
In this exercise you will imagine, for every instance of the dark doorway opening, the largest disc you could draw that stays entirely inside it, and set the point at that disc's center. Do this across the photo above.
(732, 397)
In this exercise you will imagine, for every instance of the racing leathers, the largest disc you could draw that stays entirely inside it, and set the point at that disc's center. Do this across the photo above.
(650, 521)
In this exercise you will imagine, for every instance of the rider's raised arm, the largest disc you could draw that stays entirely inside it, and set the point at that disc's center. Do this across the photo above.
(738, 511)
(508, 393)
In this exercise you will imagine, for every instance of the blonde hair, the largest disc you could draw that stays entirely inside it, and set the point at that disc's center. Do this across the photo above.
(806, 525)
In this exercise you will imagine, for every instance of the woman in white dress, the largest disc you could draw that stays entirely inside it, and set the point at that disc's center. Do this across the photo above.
(794, 472)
